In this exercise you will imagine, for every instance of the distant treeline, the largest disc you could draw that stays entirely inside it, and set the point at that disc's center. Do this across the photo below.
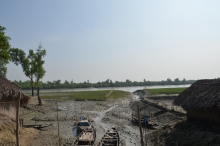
(108, 83)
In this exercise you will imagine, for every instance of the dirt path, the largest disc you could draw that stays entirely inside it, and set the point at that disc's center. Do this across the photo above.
(100, 125)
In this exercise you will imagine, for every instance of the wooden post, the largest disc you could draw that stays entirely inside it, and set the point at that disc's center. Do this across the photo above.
(17, 119)
(75, 108)
(58, 124)
(145, 135)
(119, 114)
(132, 115)
(35, 114)
(139, 122)
(81, 107)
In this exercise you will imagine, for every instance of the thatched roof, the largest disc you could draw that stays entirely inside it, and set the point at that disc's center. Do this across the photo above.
(202, 95)
(10, 92)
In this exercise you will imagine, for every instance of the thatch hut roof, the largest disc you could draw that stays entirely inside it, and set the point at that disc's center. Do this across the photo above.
(202, 95)
(10, 92)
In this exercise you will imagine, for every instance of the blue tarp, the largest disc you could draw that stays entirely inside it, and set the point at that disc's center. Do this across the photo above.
(145, 121)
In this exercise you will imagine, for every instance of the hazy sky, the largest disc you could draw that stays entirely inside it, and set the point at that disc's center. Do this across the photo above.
(97, 40)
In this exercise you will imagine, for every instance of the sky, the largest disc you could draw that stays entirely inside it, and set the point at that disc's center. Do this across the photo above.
(98, 40)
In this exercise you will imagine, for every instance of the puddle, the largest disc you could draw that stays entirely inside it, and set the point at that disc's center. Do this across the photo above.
(75, 132)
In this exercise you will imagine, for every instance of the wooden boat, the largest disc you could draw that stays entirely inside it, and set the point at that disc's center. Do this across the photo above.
(40, 126)
(83, 124)
(86, 137)
(37, 126)
(111, 138)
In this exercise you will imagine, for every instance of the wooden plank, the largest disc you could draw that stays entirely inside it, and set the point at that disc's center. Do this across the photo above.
(17, 120)
(10, 102)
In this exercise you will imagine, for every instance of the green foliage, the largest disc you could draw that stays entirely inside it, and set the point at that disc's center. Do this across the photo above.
(166, 91)
(38, 66)
(32, 65)
(4, 51)
(18, 56)
(28, 63)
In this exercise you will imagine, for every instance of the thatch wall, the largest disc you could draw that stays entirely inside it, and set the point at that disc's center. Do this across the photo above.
(9, 94)
(201, 100)
(208, 116)
(202, 95)
(8, 112)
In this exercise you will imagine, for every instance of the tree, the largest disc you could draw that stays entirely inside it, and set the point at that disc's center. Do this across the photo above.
(184, 81)
(40, 71)
(4, 51)
(177, 81)
(66, 84)
(28, 64)
(169, 81)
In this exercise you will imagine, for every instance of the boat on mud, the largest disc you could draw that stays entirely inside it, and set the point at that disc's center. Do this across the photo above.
(111, 138)
(83, 124)
(86, 137)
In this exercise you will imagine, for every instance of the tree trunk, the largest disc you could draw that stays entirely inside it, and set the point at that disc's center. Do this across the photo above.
(38, 95)
(32, 86)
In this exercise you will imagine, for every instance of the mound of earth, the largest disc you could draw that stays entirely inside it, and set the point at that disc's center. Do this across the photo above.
(185, 133)
(8, 135)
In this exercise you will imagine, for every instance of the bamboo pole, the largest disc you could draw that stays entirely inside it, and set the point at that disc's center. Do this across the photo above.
(35, 114)
(58, 124)
(132, 115)
(17, 120)
(145, 135)
(75, 107)
(139, 122)
(81, 106)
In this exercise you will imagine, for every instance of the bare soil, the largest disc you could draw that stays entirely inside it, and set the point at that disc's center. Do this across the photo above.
(7, 135)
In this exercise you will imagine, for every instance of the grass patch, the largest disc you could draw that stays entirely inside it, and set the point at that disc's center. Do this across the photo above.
(119, 94)
(84, 95)
(167, 91)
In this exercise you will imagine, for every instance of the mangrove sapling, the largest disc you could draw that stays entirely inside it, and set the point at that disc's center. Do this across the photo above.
(40, 71)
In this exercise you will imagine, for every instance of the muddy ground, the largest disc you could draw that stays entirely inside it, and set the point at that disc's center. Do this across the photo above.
(103, 115)
(168, 127)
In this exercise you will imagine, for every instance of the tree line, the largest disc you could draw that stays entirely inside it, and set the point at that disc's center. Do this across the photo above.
(108, 83)
(32, 64)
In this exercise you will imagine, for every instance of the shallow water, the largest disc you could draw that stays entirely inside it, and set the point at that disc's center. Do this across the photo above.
(128, 89)
(75, 131)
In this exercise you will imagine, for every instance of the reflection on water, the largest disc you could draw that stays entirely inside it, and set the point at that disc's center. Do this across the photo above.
(75, 131)
(128, 89)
